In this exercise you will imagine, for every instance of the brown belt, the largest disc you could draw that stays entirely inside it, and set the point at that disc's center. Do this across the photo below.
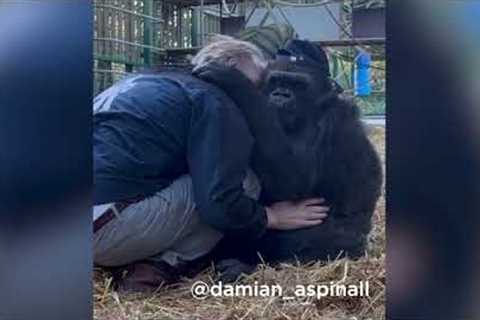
(109, 214)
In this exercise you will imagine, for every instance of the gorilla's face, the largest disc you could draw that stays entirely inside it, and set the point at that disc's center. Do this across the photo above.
(294, 90)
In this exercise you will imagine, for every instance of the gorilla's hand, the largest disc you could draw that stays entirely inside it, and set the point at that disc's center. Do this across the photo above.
(229, 79)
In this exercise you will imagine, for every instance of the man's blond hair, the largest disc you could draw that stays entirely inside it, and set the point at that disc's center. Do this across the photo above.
(227, 50)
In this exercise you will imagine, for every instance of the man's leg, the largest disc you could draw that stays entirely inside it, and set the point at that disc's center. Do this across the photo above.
(199, 238)
(152, 226)
(164, 228)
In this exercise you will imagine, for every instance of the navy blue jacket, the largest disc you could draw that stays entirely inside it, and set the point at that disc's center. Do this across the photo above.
(151, 129)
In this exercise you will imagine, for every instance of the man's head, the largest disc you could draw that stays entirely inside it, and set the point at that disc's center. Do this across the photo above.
(242, 55)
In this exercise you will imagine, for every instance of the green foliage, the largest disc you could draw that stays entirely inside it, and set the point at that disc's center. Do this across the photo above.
(367, 4)
(372, 105)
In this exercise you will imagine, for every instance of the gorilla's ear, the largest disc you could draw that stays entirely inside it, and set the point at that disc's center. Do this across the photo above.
(216, 37)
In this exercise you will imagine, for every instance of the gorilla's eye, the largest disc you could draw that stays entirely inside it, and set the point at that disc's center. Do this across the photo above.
(300, 85)
(296, 84)
(292, 80)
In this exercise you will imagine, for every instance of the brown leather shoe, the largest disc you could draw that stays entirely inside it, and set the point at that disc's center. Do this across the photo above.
(144, 276)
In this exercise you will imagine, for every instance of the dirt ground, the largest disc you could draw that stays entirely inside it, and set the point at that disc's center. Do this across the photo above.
(177, 302)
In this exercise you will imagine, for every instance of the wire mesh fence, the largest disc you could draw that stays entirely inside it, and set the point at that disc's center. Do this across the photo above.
(131, 35)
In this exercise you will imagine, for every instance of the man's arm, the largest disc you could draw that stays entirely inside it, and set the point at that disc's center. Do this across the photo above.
(218, 154)
(219, 151)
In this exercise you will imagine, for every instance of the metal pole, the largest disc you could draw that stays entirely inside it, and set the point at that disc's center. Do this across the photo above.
(147, 32)
(221, 15)
(202, 22)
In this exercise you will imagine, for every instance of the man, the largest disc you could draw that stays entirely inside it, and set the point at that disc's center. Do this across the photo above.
(171, 154)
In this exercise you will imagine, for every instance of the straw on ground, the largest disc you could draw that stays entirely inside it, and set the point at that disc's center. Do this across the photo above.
(176, 302)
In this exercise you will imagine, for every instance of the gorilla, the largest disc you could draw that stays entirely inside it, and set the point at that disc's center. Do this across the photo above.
(310, 142)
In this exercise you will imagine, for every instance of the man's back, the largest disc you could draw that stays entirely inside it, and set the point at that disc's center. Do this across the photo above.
(141, 132)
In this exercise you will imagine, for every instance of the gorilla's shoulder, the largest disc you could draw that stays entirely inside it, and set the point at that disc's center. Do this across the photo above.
(344, 109)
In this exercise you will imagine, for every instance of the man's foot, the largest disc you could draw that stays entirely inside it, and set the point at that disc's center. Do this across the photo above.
(144, 276)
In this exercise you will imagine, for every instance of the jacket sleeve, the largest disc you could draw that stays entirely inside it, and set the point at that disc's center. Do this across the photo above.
(219, 150)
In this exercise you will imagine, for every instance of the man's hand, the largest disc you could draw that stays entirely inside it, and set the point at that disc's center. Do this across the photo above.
(288, 215)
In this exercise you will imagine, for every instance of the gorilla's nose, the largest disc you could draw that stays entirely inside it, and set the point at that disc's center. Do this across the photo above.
(282, 93)
(283, 98)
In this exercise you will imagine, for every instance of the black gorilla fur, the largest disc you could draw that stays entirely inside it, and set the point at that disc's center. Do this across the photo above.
(335, 160)
(320, 150)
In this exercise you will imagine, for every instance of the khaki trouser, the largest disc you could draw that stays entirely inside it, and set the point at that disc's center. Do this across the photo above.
(165, 227)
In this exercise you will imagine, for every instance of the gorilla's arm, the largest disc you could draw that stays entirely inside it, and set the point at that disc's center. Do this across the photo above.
(274, 159)
(280, 170)
(359, 174)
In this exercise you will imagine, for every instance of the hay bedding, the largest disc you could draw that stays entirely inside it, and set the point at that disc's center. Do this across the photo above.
(176, 302)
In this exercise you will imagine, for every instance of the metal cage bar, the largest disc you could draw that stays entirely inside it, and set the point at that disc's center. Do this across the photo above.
(133, 34)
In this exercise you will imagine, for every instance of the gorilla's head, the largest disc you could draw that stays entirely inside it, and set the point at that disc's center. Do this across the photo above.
(298, 82)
